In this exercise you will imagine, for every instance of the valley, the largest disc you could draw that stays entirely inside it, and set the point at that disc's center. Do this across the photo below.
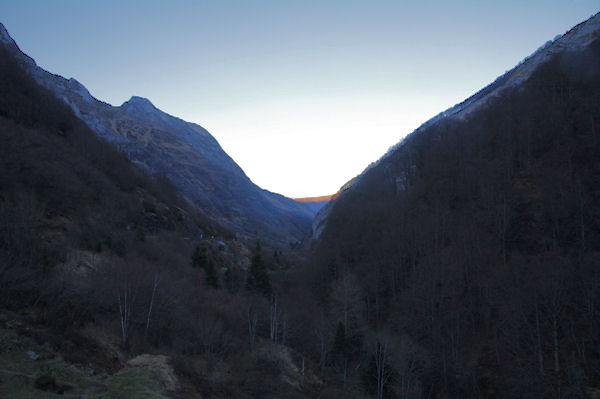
(137, 259)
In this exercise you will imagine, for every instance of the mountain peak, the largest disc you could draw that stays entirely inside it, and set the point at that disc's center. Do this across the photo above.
(140, 100)
(9, 43)
(4, 36)
(139, 104)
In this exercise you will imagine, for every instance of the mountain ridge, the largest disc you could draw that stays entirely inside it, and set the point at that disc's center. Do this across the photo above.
(571, 40)
(576, 38)
(184, 152)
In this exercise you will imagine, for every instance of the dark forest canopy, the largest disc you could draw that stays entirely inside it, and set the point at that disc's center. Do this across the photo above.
(476, 244)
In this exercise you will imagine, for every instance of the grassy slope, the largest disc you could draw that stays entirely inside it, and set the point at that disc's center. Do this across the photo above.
(25, 365)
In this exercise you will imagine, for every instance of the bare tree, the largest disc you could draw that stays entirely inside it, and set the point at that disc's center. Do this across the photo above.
(381, 350)
(285, 327)
(252, 317)
(154, 288)
(347, 300)
(125, 279)
(273, 319)
(322, 331)
(127, 292)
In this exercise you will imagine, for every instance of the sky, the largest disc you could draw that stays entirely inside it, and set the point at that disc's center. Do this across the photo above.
(303, 95)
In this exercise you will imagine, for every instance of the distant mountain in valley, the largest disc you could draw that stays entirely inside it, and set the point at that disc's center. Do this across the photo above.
(185, 153)
(322, 198)
(316, 203)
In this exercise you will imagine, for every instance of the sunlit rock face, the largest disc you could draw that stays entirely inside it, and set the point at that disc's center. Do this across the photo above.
(184, 152)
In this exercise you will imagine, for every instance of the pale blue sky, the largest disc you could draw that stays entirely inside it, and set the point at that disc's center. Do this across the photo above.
(302, 94)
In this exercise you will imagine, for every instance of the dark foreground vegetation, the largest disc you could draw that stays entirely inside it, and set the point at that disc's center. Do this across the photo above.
(464, 264)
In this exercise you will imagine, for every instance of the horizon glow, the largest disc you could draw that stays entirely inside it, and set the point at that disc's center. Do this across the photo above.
(303, 95)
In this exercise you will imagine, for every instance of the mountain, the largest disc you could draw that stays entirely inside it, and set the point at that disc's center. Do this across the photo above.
(577, 39)
(473, 244)
(316, 203)
(108, 289)
(462, 264)
(184, 152)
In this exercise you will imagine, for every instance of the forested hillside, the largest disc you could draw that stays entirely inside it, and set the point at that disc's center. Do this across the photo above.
(101, 263)
(467, 259)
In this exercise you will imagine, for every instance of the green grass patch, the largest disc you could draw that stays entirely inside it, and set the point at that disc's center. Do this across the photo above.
(132, 383)
(48, 377)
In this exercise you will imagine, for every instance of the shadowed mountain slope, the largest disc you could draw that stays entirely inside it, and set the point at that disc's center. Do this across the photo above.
(100, 263)
(475, 241)
(184, 152)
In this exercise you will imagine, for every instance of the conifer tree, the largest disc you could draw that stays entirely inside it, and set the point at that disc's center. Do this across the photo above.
(210, 273)
(340, 343)
(199, 257)
(258, 279)
(232, 279)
